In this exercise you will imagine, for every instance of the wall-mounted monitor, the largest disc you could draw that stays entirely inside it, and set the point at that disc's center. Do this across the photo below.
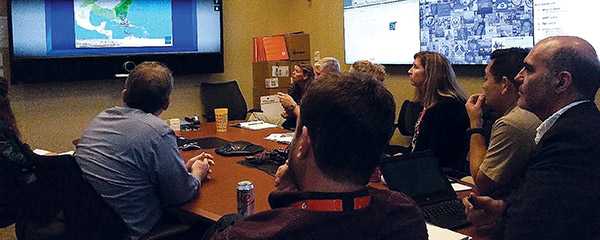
(67, 38)
(465, 31)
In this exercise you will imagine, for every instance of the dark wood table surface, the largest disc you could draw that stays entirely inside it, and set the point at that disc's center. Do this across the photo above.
(217, 196)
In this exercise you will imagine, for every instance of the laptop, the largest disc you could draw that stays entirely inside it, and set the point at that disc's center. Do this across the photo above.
(418, 175)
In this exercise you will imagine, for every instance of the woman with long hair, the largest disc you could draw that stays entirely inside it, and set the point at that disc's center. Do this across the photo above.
(442, 123)
(302, 76)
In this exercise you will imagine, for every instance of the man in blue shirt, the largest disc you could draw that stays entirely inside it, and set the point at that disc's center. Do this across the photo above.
(129, 155)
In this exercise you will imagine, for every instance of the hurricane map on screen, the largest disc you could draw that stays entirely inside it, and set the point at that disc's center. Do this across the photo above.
(122, 23)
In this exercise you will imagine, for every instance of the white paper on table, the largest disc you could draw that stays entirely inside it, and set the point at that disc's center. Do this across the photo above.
(48, 153)
(257, 125)
(42, 152)
(281, 137)
(438, 233)
(460, 187)
(270, 106)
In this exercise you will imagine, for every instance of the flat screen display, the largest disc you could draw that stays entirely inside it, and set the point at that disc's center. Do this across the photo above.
(81, 28)
(465, 31)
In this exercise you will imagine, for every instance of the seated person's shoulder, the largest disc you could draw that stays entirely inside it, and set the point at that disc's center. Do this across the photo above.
(520, 119)
(392, 201)
(146, 123)
(448, 107)
(450, 101)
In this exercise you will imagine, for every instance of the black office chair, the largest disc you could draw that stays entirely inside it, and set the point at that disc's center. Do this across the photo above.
(407, 118)
(86, 214)
(223, 94)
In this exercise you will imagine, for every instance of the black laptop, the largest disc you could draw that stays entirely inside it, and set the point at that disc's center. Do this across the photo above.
(419, 176)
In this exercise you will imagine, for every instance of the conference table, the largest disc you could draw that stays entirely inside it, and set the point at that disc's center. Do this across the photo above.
(218, 196)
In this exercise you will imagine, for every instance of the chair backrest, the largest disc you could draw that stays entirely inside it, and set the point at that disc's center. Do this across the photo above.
(87, 215)
(407, 118)
(223, 94)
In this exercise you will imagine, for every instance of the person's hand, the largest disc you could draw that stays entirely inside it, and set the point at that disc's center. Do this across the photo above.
(474, 105)
(284, 114)
(201, 166)
(287, 102)
(202, 155)
(485, 213)
(283, 180)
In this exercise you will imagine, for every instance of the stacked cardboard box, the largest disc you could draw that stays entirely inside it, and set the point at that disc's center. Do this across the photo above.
(274, 62)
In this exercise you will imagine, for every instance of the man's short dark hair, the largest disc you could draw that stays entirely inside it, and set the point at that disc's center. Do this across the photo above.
(584, 69)
(350, 120)
(507, 62)
(148, 87)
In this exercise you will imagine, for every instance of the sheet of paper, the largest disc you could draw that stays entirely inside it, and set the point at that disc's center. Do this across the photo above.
(460, 187)
(67, 153)
(281, 137)
(271, 82)
(48, 153)
(270, 106)
(256, 125)
(438, 233)
(42, 152)
(280, 71)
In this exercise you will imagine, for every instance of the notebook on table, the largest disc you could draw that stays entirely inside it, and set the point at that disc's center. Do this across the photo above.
(418, 175)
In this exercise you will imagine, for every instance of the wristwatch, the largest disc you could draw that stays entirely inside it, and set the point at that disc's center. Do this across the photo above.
(472, 131)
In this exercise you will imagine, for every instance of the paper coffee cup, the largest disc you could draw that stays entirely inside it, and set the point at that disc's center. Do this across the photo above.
(175, 124)
(221, 119)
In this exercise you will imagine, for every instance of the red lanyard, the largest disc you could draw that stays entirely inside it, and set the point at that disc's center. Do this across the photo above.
(331, 205)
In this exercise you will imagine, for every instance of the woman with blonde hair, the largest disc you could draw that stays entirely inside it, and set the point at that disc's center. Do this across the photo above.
(442, 123)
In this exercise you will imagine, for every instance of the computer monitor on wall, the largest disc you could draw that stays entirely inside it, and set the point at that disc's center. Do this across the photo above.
(61, 40)
(465, 31)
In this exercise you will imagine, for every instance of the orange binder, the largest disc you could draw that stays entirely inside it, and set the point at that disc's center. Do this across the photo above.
(275, 48)
(259, 50)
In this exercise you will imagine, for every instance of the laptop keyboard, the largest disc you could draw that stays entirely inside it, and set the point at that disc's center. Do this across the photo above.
(447, 214)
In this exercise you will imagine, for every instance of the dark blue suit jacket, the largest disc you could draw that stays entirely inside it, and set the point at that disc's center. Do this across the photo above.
(560, 195)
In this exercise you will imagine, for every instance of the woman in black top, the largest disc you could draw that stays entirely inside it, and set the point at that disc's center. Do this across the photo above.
(302, 76)
(441, 125)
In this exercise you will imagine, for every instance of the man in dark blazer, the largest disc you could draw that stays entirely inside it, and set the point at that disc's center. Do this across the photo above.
(559, 197)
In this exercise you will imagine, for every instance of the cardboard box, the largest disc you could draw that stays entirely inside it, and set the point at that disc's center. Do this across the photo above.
(290, 46)
(298, 46)
(265, 74)
(270, 78)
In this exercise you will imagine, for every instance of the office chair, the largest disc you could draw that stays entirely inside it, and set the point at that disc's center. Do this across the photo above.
(86, 214)
(223, 94)
(407, 118)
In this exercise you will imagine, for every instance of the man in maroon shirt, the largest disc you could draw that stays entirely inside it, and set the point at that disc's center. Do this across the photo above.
(345, 123)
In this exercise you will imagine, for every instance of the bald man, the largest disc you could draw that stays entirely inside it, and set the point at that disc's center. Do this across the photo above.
(559, 196)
